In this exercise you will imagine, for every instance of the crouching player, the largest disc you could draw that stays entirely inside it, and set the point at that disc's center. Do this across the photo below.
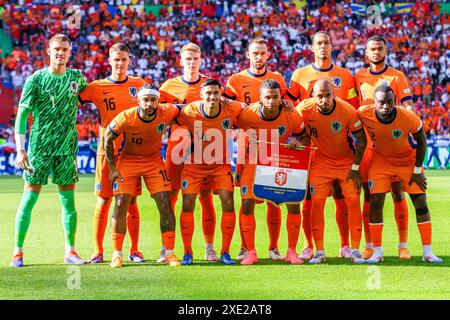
(143, 127)
(389, 128)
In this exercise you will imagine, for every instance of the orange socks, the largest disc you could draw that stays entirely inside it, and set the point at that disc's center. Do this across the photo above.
(306, 225)
(208, 218)
(187, 230)
(243, 244)
(117, 241)
(227, 226)
(342, 220)
(168, 239)
(274, 224)
(293, 223)
(100, 223)
(425, 232)
(248, 229)
(401, 217)
(355, 221)
(317, 221)
(366, 220)
(376, 232)
(133, 224)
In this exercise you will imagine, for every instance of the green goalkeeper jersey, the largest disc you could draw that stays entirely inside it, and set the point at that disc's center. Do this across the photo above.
(53, 100)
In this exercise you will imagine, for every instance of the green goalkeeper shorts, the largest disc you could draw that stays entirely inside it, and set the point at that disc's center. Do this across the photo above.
(63, 170)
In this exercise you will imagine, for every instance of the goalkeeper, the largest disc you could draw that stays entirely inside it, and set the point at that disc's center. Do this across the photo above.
(51, 94)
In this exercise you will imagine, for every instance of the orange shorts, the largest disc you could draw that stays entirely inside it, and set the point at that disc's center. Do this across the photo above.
(382, 173)
(321, 181)
(206, 177)
(150, 168)
(365, 163)
(103, 187)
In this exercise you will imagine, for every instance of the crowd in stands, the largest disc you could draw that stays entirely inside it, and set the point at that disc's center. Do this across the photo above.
(418, 43)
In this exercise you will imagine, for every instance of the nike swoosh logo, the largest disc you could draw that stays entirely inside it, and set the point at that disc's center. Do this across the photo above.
(168, 184)
(106, 92)
(134, 134)
(247, 86)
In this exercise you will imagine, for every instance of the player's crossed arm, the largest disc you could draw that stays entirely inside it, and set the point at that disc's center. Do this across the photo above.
(354, 173)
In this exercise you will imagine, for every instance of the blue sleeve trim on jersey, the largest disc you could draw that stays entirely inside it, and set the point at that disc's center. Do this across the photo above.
(290, 95)
(405, 99)
(229, 97)
(112, 131)
(356, 131)
(83, 101)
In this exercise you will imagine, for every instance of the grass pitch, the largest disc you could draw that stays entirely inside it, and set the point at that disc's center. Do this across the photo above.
(46, 277)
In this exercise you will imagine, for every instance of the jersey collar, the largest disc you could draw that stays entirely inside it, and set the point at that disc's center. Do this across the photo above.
(257, 75)
(377, 73)
(208, 117)
(390, 121)
(191, 83)
(321, 70)
(331, 111)
(117, 82)
(260, 113)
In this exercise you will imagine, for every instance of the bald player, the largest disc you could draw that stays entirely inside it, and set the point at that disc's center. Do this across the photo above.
(331, 123)
(244, 87)
(366, 81)
(389, 127)
(186, 89)
(301, 87)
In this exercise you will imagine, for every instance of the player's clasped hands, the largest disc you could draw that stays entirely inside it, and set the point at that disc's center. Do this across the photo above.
(420, 180)
(356, 177)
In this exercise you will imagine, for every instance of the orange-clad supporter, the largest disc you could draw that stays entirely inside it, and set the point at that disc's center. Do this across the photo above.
(143, 127)
(112, 95)
(186, 89)
(301, 87)
(244, 87)
(367, 80)
(331, 122)
(390, 127)
(209, 124)
(261, 119)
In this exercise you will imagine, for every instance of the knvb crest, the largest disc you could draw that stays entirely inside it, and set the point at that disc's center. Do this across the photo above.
(396, 133)
(226, 124)
(74, 87)
(280, 178)
(281, 130)
(160, 128)
(133, 91)
(336, 126)
(337, 82)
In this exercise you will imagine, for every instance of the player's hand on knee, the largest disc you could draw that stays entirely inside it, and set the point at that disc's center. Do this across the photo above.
(356, 177)
(420, 180)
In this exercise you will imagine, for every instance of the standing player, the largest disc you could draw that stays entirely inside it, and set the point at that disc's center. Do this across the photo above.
(366, 81)
(244, 87)
(330, 122)
(142, 128)
(268, 115)
(209, 123)
(186, 89)
(111, 96)
(301, 87)
(389, 127)
(51, 94)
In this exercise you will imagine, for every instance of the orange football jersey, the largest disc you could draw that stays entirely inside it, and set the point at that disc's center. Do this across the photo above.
(199, 124)
(391, 140)
(303, 80)
(330, 132)
(179, 91)
(111, 97)
(244, 86)
(143, 137)
(367, 81)
(287, 123)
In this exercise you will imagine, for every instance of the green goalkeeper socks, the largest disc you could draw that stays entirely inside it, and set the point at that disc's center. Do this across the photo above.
(69, 215)
(23, 216)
